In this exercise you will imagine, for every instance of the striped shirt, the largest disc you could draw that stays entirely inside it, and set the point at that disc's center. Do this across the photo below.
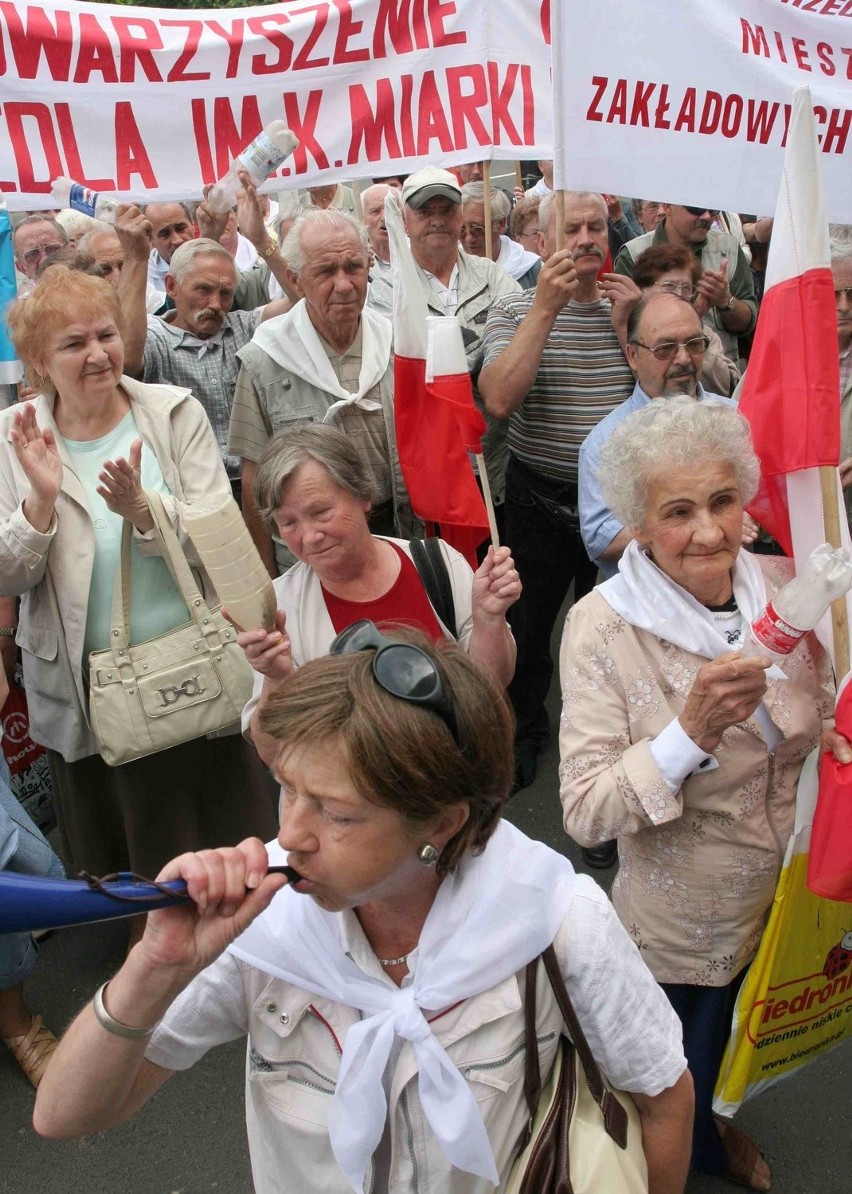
(582, 376)
(207, 367)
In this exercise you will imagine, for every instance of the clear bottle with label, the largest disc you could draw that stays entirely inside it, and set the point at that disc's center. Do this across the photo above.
(66, 193)
(260, 159)
(798, 606)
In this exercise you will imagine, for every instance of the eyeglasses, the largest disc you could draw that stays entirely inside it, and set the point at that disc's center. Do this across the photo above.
(699, 211)
(530, 233)
(403, 670)
(682, 289)
(33, 256)
(667, 351)
(843, 292)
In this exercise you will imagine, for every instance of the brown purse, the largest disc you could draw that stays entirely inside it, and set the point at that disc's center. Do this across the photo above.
(583, 1136)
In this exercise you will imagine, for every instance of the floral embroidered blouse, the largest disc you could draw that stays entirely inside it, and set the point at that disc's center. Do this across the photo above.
(698, 865)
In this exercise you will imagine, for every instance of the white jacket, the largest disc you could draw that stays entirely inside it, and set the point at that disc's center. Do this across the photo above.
(51, 572)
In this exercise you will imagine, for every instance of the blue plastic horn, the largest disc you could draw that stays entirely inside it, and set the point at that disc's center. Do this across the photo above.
(30, 902)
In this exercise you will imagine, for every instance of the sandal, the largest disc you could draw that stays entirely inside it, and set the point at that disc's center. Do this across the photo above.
(33, 1050)
(747, 1165)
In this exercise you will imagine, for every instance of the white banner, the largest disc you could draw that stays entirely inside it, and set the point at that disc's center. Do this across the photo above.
(142, 101)
(689, 102)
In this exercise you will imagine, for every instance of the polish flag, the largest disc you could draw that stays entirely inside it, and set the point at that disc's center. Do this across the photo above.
(11, 370)
(791, 389)
(437, 423)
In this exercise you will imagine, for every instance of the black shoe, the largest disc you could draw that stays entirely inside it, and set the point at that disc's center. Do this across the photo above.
(600, 858)
(526, 763)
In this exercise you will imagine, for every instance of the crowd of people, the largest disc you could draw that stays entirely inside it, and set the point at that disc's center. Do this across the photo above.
(400, 697)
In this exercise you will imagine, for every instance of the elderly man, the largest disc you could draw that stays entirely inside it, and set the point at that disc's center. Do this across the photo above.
(196, 343)
(453, 282)
(841, 268)
(469, 172)
(373, 207)
(172, 225)
(335, 197)
(102, 246)
(726, 284)
(327, 360)
(518, 262)
(554, 364)
(665, 349)
(34, 238)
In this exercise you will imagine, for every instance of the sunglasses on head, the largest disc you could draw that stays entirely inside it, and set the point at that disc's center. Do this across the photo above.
(401, 669)
(699, 211)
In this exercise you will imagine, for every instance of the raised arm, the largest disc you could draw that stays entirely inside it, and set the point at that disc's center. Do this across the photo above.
(134, 231)
(506, 380)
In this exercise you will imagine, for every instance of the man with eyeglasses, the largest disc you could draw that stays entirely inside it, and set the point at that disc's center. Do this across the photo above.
(726, 284)
(518, 262)
(665, 349)
(34, 238)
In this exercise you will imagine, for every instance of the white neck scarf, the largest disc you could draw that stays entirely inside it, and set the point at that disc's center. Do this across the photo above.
(489, 919)
(515, 259)
(293, 343)
(645, 597)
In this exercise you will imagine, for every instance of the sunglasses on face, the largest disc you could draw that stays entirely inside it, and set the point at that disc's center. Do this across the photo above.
(699, 211)
(667, 351)
(33, 256)
(403, 670)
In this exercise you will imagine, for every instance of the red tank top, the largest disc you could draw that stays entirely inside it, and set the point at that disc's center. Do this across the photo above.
(405, 601)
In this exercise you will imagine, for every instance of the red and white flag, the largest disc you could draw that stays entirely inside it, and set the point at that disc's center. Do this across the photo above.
(436, 421)
(791, 389)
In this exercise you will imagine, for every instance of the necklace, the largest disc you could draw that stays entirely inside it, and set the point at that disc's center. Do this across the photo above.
(725, 615)
(395, 961)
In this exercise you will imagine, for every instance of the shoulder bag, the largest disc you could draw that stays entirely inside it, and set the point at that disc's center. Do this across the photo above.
(432, 568)
(583, 1137)
(189, 682)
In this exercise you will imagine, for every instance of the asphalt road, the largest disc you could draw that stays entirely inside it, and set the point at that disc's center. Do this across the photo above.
(191, 1137)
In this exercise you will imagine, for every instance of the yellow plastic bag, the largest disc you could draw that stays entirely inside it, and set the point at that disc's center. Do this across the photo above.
(796, 1001)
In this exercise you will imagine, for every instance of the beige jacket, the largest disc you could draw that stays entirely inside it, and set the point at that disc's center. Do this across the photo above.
(52, 572)
(698, 866)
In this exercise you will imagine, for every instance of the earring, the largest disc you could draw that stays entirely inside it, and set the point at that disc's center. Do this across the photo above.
(428, 855)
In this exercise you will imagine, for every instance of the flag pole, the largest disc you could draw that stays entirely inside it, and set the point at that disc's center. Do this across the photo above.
(519, 178)
(831, 524)
(489, 503)
(560, 218)
(486, 179)
(356, 198)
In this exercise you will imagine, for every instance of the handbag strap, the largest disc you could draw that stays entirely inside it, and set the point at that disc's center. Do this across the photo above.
(614, 1115)
(175, 561)
(532, 1065)
(431, 565)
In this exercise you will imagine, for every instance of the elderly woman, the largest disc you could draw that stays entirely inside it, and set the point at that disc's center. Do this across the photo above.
(382, 994)
(312, 488)
(678, 744)
(72, 468)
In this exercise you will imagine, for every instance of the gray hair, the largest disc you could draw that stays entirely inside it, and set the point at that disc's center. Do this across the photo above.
(286, 451)
(97, 228)
(331, 221)
(185, 207)
(546, 205)
(368, 191)
(501, 204)
(840, 236)
(37, 219)
(77, 224)
(673, 433)
(184, 257)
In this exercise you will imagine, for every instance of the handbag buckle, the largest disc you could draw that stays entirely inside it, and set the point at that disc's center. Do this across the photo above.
(172, 693)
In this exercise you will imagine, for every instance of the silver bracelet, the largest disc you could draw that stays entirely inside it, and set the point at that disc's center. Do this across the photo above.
(115, 1026)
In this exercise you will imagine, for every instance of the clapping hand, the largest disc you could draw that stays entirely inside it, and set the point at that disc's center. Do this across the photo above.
(39, 458)
(121, 488)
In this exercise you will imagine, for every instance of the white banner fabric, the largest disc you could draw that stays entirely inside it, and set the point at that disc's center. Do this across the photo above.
(157, 102)
(689, 102)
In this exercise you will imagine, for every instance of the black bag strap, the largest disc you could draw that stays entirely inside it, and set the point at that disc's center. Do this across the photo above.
(432, 568)
(614, 1115)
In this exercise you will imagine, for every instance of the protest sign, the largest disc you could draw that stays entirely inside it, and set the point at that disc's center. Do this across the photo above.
(157, 102)
(690, 103)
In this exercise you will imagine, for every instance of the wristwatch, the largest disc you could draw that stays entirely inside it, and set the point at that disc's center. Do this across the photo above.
(729, 306)
(8, 631)
(269, 249)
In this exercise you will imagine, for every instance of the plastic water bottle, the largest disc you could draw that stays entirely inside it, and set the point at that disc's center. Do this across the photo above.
(798, 606)
(260, 159)
(66, 193)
